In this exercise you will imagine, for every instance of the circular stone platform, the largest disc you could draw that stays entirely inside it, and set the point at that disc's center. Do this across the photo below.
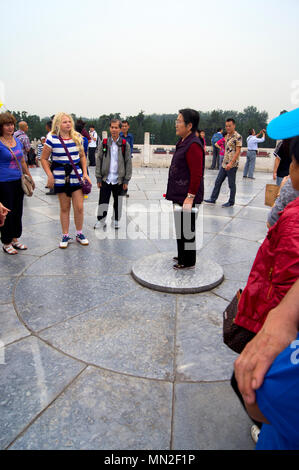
(156, 272)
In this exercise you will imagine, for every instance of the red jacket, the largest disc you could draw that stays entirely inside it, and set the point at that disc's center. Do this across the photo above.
(274, 271)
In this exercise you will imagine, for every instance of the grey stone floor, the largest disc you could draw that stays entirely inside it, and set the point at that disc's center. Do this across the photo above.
(90, 359)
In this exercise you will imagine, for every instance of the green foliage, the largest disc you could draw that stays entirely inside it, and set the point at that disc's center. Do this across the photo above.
(162, 126)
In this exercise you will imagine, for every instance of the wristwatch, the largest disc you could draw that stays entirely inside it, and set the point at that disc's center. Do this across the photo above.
(190, 196)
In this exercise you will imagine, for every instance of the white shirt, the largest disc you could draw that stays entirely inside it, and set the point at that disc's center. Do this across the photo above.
(113, 170)
(252, 142)
(93, 143)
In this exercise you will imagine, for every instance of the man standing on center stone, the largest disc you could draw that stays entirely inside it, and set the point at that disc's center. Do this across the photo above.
(113, 173)
(230, 164)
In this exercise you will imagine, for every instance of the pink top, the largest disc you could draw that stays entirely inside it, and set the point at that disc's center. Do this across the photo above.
(221, 144)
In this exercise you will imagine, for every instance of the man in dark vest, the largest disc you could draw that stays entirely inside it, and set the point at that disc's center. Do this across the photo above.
(186, 186)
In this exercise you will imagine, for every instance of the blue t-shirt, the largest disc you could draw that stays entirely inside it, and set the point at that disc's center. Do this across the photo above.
(9, 170)
(278, 400)
(129, 138)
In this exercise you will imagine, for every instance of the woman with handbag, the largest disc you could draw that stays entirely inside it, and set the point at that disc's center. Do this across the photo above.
(12, 165)
(69, 172)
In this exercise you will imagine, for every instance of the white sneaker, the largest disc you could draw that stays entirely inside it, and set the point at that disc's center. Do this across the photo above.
(64, 242)
(100, 224)
(82, 240)
(255, 431)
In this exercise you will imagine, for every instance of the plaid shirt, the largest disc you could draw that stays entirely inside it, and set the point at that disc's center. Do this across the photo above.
(24, 139)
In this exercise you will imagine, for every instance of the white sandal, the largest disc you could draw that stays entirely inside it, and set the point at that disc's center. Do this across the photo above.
(19, 246)
(9, 249)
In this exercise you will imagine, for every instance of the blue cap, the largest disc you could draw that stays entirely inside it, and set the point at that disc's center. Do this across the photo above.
(284, 126)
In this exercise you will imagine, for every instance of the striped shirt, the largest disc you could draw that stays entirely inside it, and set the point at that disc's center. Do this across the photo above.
(61, 159)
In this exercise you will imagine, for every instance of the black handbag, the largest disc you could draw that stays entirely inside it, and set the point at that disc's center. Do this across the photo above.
(234, 336)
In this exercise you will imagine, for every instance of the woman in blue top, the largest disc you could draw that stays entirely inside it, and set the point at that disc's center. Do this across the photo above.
(64, 178)
(11, 192)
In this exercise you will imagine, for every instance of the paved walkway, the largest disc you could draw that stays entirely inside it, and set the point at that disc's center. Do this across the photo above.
(92, 360)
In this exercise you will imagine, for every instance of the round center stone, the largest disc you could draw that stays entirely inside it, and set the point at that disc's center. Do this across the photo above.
(156, 272)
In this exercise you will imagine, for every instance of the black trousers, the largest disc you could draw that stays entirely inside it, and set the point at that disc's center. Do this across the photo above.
(231, 175)
(185, 227)
(235, 387)
(12, 196)
(91, 156)
(105, 194)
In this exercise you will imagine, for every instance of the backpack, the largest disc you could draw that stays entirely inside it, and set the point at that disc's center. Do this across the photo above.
(123, 147)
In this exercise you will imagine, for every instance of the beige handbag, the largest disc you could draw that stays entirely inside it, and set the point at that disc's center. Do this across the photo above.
(271, 194)
(26, 181)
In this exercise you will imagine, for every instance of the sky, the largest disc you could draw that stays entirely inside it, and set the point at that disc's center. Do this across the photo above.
(97, 57)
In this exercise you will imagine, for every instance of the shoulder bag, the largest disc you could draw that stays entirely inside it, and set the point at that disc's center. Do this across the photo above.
(234, 336)
(26, 181)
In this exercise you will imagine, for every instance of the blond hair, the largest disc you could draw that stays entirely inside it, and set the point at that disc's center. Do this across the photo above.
(77, 138)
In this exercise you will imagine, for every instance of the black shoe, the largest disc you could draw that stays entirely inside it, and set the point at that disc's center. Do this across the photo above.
(181, 267)
(228, 204)
(250, 177)
(210, 201)
(244, 176)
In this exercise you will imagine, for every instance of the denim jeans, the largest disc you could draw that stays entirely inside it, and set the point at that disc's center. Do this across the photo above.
(231, 175)
(250, 164)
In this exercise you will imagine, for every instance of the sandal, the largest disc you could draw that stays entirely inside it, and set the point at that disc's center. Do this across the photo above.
(19, 246)
(9, 249)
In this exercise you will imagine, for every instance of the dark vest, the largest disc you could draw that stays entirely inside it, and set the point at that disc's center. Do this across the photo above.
(179, 174)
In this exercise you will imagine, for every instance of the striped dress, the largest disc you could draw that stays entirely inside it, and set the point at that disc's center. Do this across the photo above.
(61, 163)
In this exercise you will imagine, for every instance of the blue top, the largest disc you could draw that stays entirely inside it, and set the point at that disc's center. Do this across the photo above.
(217, 136)
(278, 400)
(129, 139)
(85, 145)
(9, 170)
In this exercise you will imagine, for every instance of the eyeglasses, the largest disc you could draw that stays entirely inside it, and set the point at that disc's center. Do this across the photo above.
(179, 122)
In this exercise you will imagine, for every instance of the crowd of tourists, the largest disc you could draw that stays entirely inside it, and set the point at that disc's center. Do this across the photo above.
(265, 378)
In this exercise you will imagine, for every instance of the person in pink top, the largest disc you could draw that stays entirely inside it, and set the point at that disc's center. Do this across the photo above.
(221, 146)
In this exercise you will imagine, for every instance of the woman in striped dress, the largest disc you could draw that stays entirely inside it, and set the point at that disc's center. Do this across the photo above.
(63, 176)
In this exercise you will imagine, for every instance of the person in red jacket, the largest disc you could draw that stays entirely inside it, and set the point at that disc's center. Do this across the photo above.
(276, 266)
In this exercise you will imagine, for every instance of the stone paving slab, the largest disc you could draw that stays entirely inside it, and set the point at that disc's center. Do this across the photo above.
(101, 410)
(89, 359)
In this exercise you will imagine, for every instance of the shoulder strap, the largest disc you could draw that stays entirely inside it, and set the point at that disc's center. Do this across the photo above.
(105, 142)
(123, 147)
(14, 155)
(70, 158)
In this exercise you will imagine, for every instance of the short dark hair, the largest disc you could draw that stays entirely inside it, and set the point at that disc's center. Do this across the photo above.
(231, 120)
(190, 116)
(250, 131)
(115, 120)
(124, 121)
(219, 129)
(6, 118)
(79, 126)
(294, 150)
